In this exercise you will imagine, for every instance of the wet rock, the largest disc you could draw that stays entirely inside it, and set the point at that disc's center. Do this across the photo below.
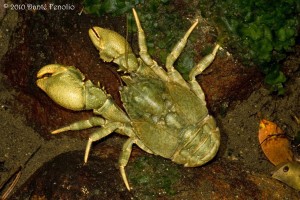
(151, 177)
(234, 82)
(66, 177)
(220, 179)
(8, 21)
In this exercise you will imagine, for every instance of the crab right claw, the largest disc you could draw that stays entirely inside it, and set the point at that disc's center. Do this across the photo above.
(113, 48)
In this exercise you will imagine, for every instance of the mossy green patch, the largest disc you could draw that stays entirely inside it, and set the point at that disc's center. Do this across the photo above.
(151, 175)
(260, 32)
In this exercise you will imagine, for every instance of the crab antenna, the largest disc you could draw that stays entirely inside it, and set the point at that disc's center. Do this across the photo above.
(126, 43)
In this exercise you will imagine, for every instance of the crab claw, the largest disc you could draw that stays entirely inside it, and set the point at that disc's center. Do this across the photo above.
(113, 48)
(65, 85)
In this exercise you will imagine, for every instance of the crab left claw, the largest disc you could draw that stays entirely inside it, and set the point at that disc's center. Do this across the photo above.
(59, 82)
(65, 85)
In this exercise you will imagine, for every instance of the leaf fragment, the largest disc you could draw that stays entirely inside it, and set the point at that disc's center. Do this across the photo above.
(274, 143)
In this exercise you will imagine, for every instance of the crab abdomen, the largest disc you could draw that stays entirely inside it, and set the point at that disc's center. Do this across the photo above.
(199, 144)
(191, 146)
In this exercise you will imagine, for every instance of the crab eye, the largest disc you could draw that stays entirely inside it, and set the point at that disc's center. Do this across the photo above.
(286, 169)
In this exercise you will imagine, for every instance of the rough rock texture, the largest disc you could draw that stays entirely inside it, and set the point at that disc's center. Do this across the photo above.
(65, 177)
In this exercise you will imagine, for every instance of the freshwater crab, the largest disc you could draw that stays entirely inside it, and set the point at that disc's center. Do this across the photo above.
(164, 114)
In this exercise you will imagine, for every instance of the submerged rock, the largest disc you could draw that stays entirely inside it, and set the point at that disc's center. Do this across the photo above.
(151, 177)
(67, 177)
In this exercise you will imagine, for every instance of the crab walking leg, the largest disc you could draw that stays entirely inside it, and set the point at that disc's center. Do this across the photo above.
(125, 155)
(127, 147)
(198, 69)
(127, 130)
(172, 57)
(142, 41)
(101, 133)
(80, 125)
(124, 158)
(146, 58)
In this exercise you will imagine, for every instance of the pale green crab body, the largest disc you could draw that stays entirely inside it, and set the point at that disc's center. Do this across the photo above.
(164, 114)
(170, 112)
